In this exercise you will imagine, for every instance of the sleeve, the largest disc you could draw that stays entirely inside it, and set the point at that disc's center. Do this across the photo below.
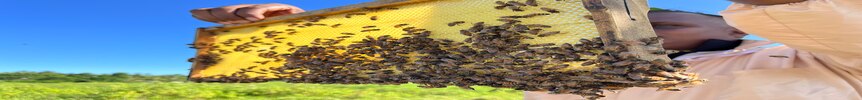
(828, 27)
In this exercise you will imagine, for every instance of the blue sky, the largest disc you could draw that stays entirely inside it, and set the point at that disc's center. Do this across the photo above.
(137, 36)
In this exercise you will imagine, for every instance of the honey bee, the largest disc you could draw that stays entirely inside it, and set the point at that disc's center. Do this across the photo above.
(416, 30)
(500, 7)
(509, 20)
(251, 67)
(563, 66)
(549, 34)
(225, 52)
(456, 23)
(208, 59)
(545, 44)
(512, 17)
(588, 63)
(466, 33)
(532, 3)
(516, 3)
(605, 58)
(343, 37)
(660, 52)
(550, 10)
(515, 8)
(408, 28)
(374, 18)
(335, 26)
(615, 48)
(193, 46)
(534, 31)
(369, 30)
(539, 26)
(479, 24)
(347, 33)
(642, 67)
(191, 59)
(501, 3)
(623, 63)
(627, 55)
(520, 28)
(308, 24)
(665, 74)
(400, 25)
(566, 46)
(535, 14)
(651, 40)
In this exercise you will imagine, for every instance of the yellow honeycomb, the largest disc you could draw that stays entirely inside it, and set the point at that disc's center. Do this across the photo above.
(433, 15)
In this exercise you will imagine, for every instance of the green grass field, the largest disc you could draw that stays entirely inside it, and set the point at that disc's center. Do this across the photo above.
(244, 91)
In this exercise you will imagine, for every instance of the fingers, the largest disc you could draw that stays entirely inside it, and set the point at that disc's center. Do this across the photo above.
(204, 14)
(221, 15)
(244, 13)
(259, 12)
(227, 14)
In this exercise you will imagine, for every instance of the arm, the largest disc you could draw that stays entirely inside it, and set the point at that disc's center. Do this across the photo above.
(766, 2)
(827, 27)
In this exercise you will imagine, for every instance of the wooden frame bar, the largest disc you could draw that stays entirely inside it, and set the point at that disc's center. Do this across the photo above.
(624, 20)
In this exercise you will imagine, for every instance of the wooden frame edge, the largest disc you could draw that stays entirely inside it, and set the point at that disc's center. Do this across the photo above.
(624, 20)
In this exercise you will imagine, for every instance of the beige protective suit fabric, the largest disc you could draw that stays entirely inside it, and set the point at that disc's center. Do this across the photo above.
(823, 44)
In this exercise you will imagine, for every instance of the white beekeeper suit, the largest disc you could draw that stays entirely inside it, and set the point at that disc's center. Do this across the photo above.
(823, 41)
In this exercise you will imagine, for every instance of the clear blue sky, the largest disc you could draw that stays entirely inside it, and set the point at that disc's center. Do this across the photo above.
(138, 36)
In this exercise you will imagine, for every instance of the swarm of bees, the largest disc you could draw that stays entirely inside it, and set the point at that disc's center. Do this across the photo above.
(492, 55)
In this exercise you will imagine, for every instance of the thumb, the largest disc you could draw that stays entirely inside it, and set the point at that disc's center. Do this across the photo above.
(278, 13)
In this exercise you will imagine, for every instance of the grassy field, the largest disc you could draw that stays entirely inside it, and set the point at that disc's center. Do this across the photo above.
(256, 91)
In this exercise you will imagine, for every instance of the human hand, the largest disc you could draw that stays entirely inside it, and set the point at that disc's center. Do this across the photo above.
(244, 13)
